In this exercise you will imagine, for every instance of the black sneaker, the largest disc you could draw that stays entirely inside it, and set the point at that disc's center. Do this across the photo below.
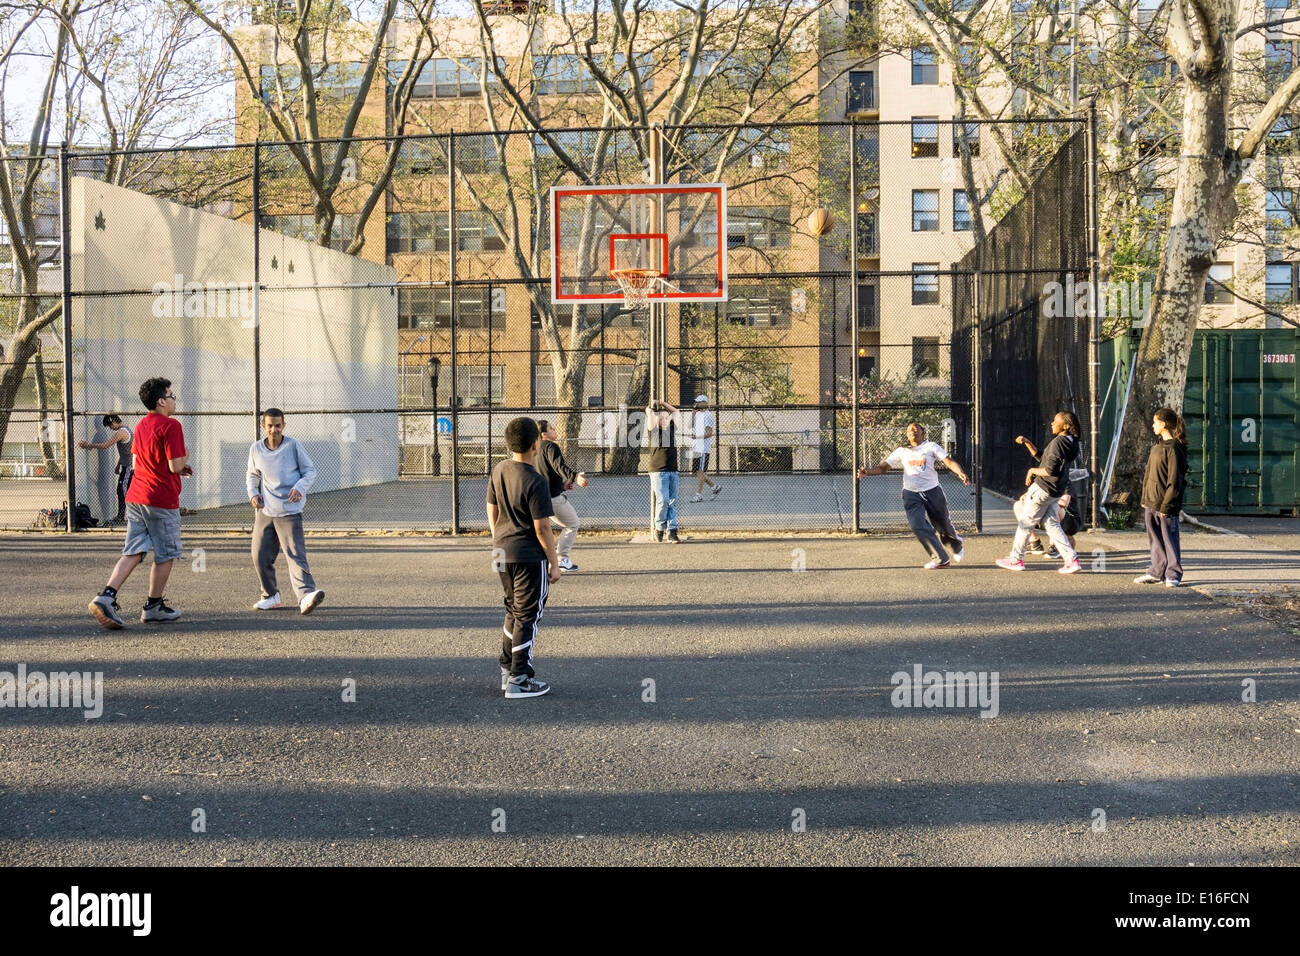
(659, 535)
(1035, 547)
(1053, 554)
(523, 686)
(158, 613)
(104, 609)
(672, 537)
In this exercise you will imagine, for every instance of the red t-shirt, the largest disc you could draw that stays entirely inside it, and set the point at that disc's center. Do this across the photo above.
(158, 439)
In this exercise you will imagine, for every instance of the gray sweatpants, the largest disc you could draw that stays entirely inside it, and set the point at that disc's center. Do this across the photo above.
(567, 518)
(927, 515)
(270, 537)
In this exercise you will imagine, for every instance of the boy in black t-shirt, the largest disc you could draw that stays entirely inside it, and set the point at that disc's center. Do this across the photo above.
(519, 514)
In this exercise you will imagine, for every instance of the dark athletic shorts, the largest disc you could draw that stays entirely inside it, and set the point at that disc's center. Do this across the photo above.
(699, 463)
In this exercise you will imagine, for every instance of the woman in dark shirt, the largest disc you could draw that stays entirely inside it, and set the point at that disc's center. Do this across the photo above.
(1162, 498)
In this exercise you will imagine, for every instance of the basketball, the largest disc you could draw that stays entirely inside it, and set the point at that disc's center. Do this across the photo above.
(820, 221)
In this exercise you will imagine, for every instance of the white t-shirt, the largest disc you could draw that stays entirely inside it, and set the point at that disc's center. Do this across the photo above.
(700, 425)
(918, 465)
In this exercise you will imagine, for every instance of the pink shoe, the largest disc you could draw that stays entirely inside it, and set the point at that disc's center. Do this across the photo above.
(1069, 567)
(1010, 564)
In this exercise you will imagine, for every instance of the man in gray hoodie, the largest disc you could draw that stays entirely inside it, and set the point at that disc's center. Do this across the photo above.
(279, 476)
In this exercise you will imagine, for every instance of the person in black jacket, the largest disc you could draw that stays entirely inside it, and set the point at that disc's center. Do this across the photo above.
(561, 478)
(1162, 498)
(1046, 484)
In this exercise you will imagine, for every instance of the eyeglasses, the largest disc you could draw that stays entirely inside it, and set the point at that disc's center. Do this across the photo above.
(171, 396)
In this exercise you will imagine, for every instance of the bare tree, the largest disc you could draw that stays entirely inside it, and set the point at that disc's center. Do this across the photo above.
(83, 72)
(731, 73)
(309, 75)
(1202, 37)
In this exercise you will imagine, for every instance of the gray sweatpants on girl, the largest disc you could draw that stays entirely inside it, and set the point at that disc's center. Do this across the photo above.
(270, 537)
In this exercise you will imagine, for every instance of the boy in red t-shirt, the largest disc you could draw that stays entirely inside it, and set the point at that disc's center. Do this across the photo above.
(153, 507)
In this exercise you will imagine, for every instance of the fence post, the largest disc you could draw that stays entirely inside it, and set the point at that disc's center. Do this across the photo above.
(977, 395)
(65, 253)
(451, 291)
(853, 323)
(257, 287)
(1094, 339)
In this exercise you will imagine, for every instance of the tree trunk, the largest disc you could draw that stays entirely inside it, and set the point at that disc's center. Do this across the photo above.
(1203, 202)
(53, 463)
(626, 459)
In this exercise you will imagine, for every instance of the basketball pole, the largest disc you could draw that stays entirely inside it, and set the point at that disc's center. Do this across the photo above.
(655, 331)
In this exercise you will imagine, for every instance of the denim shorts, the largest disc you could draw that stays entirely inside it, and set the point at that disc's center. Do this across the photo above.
(153, 529)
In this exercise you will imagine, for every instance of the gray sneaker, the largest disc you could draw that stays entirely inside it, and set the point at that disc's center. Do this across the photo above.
(505, 678)
(104, 609)
(524, 686)
(159, 613)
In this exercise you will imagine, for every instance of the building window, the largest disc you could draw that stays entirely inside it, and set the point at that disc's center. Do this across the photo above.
(868, 317)
(421, 157)
(410, 232)
(862, 91)
(452, 78)
(867, 151)
(925, 66)
(475, 232)
(925, 137)
(965, 133)
(759, 307)
(335, 81)
(477, 154)
(760, 227)
(1282, 138)
(925, 283)
(1279, 216)
(480, 385)
(925, 210)
(304, 227)
(1279, 288)
(968, 63)
(925, 356)
(476, 308)
(1218, 284)
(563, 73)
(961, 218)
(868, 236)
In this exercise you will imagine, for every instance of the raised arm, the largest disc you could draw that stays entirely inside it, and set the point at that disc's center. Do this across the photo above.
(881, 469)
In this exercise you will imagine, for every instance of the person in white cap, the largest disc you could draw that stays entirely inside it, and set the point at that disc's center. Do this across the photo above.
(702, 425)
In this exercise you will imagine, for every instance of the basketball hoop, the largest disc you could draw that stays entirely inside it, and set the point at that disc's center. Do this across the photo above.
(635, 284)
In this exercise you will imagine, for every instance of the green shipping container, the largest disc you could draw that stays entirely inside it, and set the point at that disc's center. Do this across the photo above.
(1242, 415)
(1242, 407)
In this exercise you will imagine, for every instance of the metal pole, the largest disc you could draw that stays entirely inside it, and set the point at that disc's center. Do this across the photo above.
(854, 336)
(657, 331)
(451, 290)
(1074, 56)
(977, 394)
(65, 251)
(257, 287)
(1094, 341)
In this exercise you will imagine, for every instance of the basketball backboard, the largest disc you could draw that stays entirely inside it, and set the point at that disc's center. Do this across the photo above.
(673, 230)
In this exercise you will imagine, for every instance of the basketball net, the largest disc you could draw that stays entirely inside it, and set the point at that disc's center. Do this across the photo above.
(636, 286)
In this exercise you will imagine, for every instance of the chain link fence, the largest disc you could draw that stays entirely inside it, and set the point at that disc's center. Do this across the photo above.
(394, 301)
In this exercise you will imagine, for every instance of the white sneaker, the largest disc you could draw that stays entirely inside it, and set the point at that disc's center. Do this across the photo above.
(268, 604)
(1146, 579)
(566, 565)
(960, 553)
(697, 497)
(935, 564)
(310, 601)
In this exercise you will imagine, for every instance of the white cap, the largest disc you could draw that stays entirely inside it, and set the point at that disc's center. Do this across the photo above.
(701, 398)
